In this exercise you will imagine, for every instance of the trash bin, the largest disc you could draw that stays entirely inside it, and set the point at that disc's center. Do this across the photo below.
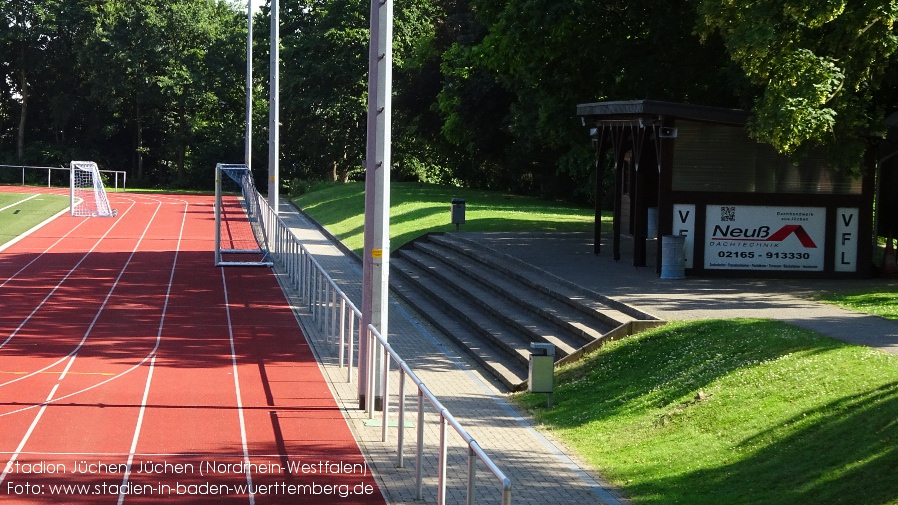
(458, 212)
(541, 376)
(673, 257)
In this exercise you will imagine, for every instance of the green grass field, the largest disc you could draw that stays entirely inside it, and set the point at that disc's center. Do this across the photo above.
(881, 301)
(420, 208)
(734, 412)
(21, 212)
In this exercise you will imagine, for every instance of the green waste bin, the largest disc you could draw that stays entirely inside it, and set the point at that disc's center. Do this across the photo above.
(541, 376)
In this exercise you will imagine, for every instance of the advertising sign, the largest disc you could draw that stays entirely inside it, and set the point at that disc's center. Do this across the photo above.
(846, 239)
(746, 237)
(684, 224)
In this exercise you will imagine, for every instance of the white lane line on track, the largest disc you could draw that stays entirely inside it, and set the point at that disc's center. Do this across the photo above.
(28, 433)
(249, 477)
(99, 384)
(39, 256)
(99, 311)
(67, 367)
(19, 202)
(60, 283)
(146, 390)
(137, 427)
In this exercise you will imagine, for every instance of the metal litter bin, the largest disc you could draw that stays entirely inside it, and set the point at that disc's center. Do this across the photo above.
(541, 376)
(673, 257)
(458, 212)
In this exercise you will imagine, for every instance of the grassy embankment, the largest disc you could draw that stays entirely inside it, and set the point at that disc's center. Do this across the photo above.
(420, 208)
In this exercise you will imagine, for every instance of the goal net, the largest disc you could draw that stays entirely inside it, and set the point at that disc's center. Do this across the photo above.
(240, 235)
(87, 193)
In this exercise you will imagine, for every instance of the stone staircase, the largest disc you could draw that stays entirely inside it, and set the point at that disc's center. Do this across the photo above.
(494, 305)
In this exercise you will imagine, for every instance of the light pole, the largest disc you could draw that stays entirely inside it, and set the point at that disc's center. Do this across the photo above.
(376, 260)
(274, 127)
(248, 154)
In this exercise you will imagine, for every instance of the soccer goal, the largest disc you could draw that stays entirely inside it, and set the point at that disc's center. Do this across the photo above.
(87, 193)
(240, 235)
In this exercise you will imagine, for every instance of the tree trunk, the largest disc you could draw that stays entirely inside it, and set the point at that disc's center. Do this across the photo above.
(20, 139)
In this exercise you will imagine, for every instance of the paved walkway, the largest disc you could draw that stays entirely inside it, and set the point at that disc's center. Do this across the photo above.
(570, 256)
(540, 470)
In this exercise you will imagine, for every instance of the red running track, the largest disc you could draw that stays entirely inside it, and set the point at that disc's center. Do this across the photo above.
(134, 371)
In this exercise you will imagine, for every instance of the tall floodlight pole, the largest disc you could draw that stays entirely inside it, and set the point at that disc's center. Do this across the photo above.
(376, 261)
(248, 154)
(274, 122)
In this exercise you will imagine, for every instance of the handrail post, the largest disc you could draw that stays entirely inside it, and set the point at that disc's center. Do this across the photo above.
(472, 474)
(419, 457)
(385, 380)
(369, 382)
(341, 347)
(441, 468)
(334, 313)
(400, 453)
(351, 354)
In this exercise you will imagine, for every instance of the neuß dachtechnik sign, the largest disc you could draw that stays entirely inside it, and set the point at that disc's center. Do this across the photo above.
(745, 237)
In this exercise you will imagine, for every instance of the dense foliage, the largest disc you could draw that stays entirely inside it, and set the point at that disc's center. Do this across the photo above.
(484, 90)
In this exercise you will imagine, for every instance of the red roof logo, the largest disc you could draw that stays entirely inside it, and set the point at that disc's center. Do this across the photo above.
(799, 232)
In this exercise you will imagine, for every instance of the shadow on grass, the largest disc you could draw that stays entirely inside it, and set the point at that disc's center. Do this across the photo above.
(839, 449)
(853, 459)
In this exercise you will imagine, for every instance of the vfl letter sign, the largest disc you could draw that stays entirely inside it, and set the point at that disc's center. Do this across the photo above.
(746, 237)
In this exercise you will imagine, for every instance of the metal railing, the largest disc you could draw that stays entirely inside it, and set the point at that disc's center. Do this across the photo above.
(113, 174)
(340, 320)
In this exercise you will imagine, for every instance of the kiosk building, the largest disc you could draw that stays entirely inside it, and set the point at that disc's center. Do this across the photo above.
(741, 208)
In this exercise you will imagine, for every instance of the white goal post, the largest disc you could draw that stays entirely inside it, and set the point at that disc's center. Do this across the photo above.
(241, 238)
(87, 193)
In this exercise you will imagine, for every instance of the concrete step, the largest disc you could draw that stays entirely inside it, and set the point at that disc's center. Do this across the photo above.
(494, 306)
(471, 289)
(498, 349)
(593, 304)
(528, 297)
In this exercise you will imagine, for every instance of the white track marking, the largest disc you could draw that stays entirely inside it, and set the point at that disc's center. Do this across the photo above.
(143, 409)
(17, 203)
(43, 253)
(146, 390)
(249, 477)
(67, 367)
(28, 433)
(55, 288)
(99, 311)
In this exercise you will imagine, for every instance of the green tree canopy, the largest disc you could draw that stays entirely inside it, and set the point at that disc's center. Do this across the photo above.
(819, 65)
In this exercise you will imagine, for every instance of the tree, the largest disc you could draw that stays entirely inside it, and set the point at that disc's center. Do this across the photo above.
(28, 25)
(323, 78)
(549, 55)
(152, 62)
(324, 82)
(819, 66)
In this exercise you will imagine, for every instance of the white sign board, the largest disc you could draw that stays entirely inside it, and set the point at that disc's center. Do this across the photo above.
(746, 237)
(846, 239)
(684, 224)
